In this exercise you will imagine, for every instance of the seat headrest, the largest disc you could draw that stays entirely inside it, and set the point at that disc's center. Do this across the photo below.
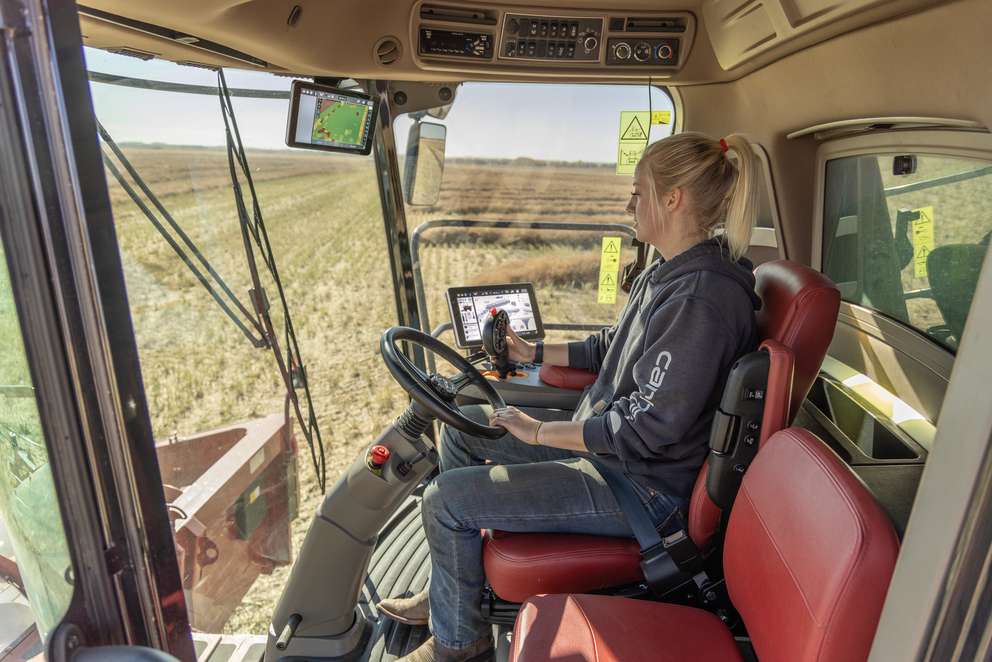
(809, 553)
(798, 310)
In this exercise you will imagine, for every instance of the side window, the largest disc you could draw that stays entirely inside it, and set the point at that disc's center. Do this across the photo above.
(905, 235)
(240, 482)
(35, 567)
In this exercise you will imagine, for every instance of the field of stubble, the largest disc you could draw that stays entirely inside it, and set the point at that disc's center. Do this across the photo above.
(324, 221)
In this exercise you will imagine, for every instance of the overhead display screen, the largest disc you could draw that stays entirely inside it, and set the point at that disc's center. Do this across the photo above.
(469, 307)
(330, 119)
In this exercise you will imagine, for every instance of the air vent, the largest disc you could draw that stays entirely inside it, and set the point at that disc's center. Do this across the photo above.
(444, 14)
(655, 24)
(387, 51)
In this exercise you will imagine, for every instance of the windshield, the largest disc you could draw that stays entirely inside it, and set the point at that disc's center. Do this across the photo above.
(547, 158)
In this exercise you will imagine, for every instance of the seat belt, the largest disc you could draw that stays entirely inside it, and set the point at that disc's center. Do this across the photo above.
(667, 562)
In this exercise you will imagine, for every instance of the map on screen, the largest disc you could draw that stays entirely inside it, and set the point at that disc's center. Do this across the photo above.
(338, 121)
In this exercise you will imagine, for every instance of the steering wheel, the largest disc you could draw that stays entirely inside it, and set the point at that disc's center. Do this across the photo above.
(434, 392)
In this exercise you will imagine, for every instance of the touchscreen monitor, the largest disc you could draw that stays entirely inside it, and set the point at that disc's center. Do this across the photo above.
(470, 305)
(329, 119)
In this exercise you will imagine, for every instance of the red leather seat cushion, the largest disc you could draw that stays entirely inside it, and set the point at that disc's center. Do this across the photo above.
(599, 628)
(808, 555)
(519, 565)
(570, 378)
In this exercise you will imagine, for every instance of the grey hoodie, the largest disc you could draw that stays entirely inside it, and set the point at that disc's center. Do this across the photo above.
(662, 367)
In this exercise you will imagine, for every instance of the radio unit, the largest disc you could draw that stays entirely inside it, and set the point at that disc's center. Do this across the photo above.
(477, 45)
(556, 38)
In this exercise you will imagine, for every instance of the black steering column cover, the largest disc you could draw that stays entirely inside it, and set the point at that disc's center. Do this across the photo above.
(434, 392)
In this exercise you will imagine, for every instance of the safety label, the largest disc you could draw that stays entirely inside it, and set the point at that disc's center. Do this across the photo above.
(661, 117)
(923, 242)
(632, 139)
(609, 270)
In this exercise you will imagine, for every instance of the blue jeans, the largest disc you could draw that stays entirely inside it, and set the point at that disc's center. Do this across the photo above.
(525, 489)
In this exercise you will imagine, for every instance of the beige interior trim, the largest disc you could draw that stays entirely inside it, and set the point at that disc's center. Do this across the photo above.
(947, 490)
(834, 129)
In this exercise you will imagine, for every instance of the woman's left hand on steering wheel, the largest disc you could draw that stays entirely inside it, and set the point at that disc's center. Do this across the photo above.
(517, 423)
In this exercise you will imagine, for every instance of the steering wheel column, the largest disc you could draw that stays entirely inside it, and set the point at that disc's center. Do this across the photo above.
(319, 613)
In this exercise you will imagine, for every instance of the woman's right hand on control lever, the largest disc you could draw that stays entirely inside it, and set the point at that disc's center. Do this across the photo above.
(518, 349)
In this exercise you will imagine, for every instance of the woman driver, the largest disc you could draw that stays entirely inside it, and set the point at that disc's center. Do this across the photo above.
(661, 368)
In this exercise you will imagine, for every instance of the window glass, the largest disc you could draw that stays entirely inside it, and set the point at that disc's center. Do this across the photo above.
(534, 153)
(35, 567)
(215, 399)
(906, 235)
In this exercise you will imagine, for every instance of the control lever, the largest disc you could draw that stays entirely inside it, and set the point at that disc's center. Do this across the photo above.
(494, 341)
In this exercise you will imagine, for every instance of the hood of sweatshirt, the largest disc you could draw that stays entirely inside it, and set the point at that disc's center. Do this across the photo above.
(710, 255)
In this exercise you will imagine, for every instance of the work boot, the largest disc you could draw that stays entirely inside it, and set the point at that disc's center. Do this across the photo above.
(431, 651)
(413, 610)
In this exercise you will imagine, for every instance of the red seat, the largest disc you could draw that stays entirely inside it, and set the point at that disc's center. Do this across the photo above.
(808, 558)
(795, 323)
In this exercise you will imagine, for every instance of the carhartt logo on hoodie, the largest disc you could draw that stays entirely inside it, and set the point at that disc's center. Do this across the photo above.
(643, 399)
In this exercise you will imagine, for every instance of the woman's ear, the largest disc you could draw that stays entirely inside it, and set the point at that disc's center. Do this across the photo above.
(674, 199)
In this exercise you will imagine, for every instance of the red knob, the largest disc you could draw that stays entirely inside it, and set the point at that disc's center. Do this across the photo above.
(493, 312)
(379, 454)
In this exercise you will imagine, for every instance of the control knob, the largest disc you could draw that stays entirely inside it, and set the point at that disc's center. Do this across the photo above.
(622, 51)
(642, 52)
(590, 42)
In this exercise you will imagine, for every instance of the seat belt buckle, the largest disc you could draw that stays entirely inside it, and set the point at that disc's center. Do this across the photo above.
(660, 571)
(683, 551)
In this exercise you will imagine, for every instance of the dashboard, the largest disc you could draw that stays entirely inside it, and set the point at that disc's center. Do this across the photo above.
(509, 39)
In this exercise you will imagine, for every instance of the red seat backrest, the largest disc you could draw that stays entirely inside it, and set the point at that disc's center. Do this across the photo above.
(808, 555)
(799, 311)
(795, 324)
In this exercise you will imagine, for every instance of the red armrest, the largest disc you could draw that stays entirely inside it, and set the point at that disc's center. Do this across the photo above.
(570, 378)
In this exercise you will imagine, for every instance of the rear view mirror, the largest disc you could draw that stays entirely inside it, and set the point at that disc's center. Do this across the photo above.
(424, 166)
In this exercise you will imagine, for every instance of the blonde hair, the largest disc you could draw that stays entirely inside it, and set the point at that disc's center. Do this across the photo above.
(724, 195)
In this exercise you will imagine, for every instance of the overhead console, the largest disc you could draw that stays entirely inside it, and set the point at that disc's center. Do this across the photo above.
(515, 39)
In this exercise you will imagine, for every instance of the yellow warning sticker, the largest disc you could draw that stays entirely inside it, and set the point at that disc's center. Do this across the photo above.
(923, 241)
(635, 126)
(661, 117)
(609, 270)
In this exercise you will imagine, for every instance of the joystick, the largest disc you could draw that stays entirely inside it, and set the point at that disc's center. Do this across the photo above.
(494, 341)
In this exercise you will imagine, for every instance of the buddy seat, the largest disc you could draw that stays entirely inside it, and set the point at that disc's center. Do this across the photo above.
(808, 556)
(796, 323)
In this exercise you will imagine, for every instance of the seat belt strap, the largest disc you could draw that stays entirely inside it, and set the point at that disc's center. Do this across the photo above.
(666, 562)
(630, 503)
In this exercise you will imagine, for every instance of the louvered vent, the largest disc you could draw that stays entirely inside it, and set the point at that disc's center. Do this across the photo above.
(387, 51)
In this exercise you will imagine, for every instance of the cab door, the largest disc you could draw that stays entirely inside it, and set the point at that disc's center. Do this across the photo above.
(80, 492)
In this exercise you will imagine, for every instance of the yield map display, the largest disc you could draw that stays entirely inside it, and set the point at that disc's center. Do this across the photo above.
(330, 119)
(471, 305)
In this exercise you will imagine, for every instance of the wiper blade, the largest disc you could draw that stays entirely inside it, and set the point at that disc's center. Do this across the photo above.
(184, 247)
(255, 237)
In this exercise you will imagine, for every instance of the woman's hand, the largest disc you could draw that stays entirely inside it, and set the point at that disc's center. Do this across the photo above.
(518, 349)
(517, 423)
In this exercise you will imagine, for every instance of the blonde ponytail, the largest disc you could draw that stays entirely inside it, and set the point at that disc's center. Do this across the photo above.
(742, 206)
(725, 196)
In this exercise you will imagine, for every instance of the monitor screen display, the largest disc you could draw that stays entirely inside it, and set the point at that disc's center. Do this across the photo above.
(330, 119)
(469, 307)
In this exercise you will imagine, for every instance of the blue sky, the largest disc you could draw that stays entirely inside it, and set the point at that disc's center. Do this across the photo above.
(491, 120)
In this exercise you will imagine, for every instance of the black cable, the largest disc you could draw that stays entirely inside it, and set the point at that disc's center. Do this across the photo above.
(256, 340)
(291, 366)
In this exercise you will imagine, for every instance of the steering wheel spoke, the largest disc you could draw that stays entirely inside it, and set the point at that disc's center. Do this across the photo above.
(435, 392)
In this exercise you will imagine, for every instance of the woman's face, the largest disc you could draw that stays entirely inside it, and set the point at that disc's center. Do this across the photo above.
(640, 207)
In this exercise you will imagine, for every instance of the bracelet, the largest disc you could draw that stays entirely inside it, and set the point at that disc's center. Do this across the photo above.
(539, 352)
(537, 433)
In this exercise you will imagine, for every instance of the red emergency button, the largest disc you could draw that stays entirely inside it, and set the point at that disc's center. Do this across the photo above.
(379, 454)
